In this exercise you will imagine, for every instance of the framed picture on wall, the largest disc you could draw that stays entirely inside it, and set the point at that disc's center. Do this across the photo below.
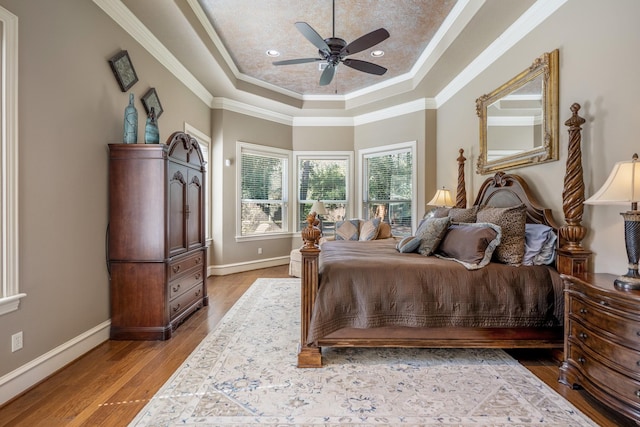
(150, 99)
(123, 70)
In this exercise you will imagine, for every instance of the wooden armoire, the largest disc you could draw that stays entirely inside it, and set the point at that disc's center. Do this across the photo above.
(156, 240)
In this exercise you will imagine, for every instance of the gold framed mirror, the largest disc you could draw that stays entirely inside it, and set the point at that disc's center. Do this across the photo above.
(519, 120)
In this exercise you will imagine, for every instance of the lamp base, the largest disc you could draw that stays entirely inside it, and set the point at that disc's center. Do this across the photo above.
(628, 282)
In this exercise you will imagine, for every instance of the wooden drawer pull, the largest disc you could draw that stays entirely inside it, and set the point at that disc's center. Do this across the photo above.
(198, 292)
(177, 307)
(176, 268)
(176, 288)
(198, 260)
(198, 276)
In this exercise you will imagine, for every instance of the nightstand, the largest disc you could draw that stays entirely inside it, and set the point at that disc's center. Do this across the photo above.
(602, 341)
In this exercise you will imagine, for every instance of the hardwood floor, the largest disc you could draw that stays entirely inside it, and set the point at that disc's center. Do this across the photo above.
(109, 385)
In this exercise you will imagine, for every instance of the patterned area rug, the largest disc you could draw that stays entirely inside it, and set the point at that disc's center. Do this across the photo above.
(244, 374)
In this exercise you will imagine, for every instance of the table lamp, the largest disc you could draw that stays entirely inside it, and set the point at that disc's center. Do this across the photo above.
(621, 188)
(319, 209)
(442, 198)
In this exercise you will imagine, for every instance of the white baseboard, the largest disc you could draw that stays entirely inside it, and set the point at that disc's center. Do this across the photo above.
(222, 270)
(30, 374)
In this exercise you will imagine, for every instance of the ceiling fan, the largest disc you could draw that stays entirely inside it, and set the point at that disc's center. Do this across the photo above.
(335, 50)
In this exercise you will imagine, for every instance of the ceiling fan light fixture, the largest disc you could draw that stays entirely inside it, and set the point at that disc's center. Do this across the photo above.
(273, 53)
(377, 53)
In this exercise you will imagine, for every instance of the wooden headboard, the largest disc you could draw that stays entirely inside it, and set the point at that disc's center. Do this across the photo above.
(505, 190)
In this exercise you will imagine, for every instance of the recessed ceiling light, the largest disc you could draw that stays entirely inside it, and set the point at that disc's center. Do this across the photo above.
(377, 53)
(273, 53)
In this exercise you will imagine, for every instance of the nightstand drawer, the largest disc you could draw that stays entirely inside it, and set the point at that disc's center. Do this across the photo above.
(618, 357)
(605, 318)
(605, 378)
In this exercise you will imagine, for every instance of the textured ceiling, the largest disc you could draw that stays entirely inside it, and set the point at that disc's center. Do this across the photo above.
(248, 28)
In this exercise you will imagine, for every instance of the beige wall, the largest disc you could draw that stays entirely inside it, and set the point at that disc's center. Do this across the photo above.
(70, 108)
(595, 39)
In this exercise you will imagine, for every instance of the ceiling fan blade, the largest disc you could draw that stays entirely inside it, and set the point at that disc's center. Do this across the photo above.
(366, 41)
(327, 75)
(367, 67)
(311, 35)
(296, 61)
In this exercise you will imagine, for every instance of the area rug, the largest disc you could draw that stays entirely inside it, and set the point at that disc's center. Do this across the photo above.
(244, 374)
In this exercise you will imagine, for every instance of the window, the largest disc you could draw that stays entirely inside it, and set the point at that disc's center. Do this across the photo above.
(9, 285)
(388, 188)
(263, 189)
(326, 178)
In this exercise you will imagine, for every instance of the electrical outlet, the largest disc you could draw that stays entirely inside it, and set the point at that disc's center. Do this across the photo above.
(16, 341)
(259, 251)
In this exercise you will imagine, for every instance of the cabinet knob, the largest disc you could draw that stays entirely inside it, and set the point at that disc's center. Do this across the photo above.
(176, 308)
(582, 335)
(176, 288)
(637, 393)
(198, 260)
(198, 276)
(583, 310)
(603, 303)
(176, 268)
(198, 292)
(581, 359)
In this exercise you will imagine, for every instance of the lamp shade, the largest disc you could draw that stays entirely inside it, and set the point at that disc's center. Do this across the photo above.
(622, 187)
(318, 208)
(441, 198)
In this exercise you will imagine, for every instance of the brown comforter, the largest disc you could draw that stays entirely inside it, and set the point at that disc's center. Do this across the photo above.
(370, 284)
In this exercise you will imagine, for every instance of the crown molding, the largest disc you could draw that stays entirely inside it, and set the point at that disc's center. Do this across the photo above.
(529, 20)
(136, 29)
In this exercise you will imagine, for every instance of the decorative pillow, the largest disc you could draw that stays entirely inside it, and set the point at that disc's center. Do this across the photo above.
(512, 222)
(408, 244)
(384, 231)
(457, 214)
(369, 229)
(539, 237)
(348, 229)
(472, 245)
(430, 233)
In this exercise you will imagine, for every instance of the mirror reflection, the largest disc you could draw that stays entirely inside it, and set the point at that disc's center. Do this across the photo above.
(518, 121)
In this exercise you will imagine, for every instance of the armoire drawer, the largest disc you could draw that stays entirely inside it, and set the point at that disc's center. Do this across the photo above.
(185, 282)
(181, 266)
(184, 301)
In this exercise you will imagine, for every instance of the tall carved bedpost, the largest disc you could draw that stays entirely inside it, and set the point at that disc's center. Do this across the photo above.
(461, 192)
(573, 259)
(309, 356)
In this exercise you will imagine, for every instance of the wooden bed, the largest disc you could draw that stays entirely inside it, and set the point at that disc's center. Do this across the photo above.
(501, 190)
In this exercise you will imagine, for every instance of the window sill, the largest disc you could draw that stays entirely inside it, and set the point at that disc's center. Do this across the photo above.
(269, 236)
(9, 304)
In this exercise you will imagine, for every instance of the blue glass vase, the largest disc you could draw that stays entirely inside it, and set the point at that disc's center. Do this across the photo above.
(130, 123)
(151, 133)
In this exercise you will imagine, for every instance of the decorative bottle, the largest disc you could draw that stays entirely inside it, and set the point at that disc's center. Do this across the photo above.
(151, 133)
(130, 123)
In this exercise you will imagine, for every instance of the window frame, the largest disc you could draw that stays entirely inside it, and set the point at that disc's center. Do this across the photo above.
(363, 154)
(287, 157)
(9, 262)
(323, 155)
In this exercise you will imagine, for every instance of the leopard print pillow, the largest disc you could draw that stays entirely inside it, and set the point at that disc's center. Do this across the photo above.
(512, 222)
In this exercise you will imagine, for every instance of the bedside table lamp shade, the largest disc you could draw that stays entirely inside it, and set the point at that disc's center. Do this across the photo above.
(623, 188)
(318, 208)
(442, 198)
